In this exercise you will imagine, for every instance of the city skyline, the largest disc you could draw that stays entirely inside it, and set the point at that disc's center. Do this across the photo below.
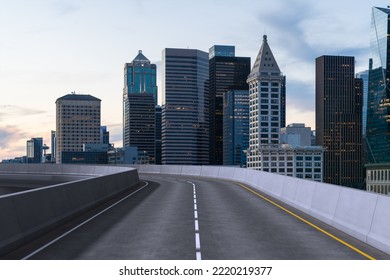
(51, 49)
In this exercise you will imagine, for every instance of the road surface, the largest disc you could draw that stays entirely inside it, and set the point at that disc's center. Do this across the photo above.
(187, 218)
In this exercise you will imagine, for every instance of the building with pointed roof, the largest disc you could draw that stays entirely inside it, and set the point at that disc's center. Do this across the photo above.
(139, 102)
(267, 103)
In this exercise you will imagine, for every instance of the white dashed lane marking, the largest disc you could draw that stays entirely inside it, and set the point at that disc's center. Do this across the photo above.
(197, 234)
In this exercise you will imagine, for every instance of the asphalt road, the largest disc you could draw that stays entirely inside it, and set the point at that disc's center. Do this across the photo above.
(188, 218)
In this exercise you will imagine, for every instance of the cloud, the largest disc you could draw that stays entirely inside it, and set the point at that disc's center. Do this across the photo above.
(64, 8)
(116, 135)
(12, 141)
(15, 110)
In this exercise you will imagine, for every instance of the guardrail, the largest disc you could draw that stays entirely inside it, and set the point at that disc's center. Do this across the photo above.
(361, 214)
(28, 214)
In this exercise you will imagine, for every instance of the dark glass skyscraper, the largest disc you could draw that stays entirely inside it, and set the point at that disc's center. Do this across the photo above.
(139, 101)
(185, 107)
(378, 104)
(226, 72)
(339, 119)
(158, 134)
(235, 127)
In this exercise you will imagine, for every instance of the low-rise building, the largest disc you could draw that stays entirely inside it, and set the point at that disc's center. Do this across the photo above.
(378, 178)
(299, 162)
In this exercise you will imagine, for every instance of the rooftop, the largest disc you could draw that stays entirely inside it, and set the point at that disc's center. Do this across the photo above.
(83, 97)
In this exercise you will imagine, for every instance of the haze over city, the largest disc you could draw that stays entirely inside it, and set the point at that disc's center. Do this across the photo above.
(51, 48)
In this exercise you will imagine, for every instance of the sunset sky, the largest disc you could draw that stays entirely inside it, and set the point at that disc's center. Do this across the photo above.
(49, 48)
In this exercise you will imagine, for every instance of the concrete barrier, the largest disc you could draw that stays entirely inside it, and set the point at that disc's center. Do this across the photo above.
(379, 234)
(359, 213)
(355, 212)
(191, 170)
(28, 214)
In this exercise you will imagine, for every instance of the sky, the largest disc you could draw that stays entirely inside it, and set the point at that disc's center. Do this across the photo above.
(50, 48)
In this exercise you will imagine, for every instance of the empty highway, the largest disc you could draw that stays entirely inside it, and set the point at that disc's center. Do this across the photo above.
(186, 218)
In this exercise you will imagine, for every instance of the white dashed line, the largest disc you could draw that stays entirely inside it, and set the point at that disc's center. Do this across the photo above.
(197, 241)
(197, 234)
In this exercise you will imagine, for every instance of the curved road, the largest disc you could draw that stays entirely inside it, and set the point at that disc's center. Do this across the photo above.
(183, 218)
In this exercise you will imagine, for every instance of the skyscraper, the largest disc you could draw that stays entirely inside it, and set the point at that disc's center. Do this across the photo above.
(185, 107)
(53, 142)
(378, 104)
(267, 103)
(235, 127)
(140, 77)
(77, 123)
(104, 135)
(158, 134)
(139, 101)
(226, 72)
(339, 119)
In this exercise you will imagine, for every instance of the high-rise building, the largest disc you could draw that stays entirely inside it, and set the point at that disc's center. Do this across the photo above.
(104, 135)
(267, 104)
(139, 101)
(53, 142)
(158, 133)
(226, 72)
(364, 76)
(378, 104)
(140, 77)
(34, 150)
(185, 107)
(339, 119)
(235, 127)
(77, 123)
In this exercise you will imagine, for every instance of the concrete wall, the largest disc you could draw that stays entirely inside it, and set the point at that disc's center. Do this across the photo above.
(28, 214)
(361, 214)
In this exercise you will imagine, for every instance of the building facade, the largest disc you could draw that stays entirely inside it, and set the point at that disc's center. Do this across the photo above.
(77, 123)
(185, 107)
(339, 120)
(53, 146)
(158, 133)
(34, 149)
(378, 178)
(378, 104)
(226, 72)
(235, 127)
(267, 103)
(139, 102)
(140, 124)
(296, 134)
(299, 162)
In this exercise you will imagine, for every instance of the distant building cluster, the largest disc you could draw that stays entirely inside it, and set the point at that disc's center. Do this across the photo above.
(217, 110)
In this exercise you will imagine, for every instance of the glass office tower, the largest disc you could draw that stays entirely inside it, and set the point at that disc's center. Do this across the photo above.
(339, 97)
(378, 107)
(235, 127)
(139, 102)
(185, 107)
(226, 72)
